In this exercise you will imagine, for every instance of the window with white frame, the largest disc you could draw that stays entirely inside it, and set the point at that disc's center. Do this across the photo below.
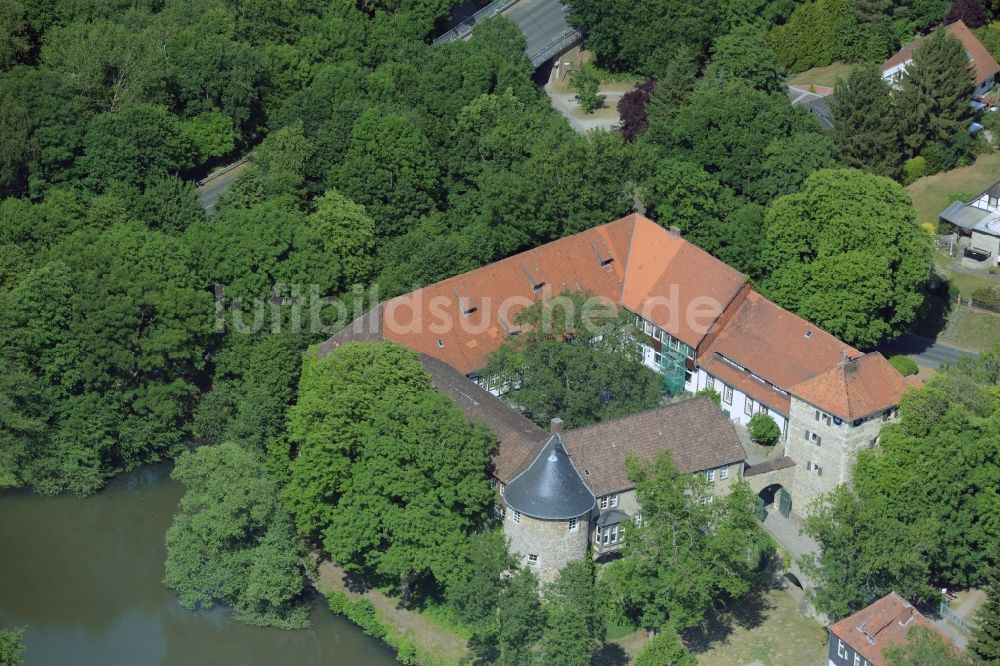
(613, 501)
(710, 476)
(658, 358)
(748, 406)
(573, 524)
(501, 486)
(764, 409)
(724, 473)
(499, 511)
(710, 382)
(611, 534)
(727, 395)
(532, 560)
(707, 499)
(647, 328)
(841, 649)
(516, 517)
(638, 520)
(603, 502)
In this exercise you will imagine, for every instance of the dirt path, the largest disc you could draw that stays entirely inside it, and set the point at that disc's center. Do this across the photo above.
(429, 637)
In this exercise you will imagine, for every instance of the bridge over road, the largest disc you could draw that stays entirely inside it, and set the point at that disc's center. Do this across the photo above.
(543, 23)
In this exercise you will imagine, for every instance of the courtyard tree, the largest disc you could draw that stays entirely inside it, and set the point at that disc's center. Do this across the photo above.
(522, 620)
(576, 361)
(665, 648)
(11, 647)
(846, 253)
(586, 82)
(233, 542)
(865, 553)
(763, 430)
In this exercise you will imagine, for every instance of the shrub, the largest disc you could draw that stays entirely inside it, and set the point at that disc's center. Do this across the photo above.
(987, 297)
(929, 227)
(338, 602)
(763, 430)
(906, 365)
(406, 652)
(711, 393)
(914, 168)
(362, 613)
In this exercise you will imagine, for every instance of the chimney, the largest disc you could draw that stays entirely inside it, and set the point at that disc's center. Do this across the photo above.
(675, 231)
(556, 426)
(906, 615)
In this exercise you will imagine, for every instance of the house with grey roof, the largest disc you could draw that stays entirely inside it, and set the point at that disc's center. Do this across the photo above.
(977, 226)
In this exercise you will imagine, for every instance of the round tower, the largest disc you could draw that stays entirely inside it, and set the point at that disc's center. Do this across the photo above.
(548, 512)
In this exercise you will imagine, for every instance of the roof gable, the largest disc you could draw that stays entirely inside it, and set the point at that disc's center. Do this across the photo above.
(984, 64)
(675, 284)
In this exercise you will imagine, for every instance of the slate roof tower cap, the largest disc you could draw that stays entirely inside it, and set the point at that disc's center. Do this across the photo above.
(551, 487)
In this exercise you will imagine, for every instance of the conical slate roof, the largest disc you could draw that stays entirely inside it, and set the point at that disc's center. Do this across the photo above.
(550, 488)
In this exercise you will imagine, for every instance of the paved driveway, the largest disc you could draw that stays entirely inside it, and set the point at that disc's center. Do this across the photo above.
(927, 352)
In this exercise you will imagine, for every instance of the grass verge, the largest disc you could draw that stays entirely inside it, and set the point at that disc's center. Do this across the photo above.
(823, 76)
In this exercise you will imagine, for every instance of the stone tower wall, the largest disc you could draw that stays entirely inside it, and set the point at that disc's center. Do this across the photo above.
(552, 540)
(835, 455)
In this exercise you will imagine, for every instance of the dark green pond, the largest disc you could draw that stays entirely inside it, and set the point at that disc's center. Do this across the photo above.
(84, 576)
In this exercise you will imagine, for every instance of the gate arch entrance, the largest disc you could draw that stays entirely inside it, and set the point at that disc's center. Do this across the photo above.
(776, 495)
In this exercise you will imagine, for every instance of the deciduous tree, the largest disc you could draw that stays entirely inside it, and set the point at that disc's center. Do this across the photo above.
(575, 627)
(846, 253)
(986, 636)
(576, 361)
(233, 542)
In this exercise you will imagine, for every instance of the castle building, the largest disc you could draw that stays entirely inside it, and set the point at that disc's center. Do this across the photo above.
(699, 323)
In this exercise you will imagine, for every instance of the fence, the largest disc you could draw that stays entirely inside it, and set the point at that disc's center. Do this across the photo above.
(949, 615)
(466, 26)
(556, 46)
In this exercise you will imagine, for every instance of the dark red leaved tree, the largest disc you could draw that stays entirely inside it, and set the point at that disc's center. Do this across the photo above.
(969, 11)
(632, 110)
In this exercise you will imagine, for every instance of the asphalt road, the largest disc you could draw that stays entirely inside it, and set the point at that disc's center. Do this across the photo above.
(927, 352)
(209, 193)
(541, 21)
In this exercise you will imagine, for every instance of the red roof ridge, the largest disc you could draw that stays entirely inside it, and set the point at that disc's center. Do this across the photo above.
(856, 388)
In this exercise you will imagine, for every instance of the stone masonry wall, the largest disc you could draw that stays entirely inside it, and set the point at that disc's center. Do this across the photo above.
(835, 455)
(552, 540)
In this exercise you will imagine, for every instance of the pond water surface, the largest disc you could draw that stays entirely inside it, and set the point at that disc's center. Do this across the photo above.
(84, 576)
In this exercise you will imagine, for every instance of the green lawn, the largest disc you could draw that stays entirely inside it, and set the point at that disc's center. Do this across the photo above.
(767, 627)
(963, 282)
(932, 194)
(971, 329)
(823, 76)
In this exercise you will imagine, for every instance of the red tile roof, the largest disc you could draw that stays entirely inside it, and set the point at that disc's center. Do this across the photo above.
(855, 388)
(676, 285)
(984, 64)
(777, 345)
(420, 320)
(883, 624)
(639, 264)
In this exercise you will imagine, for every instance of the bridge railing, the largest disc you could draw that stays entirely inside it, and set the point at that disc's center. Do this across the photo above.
(556, 46)
(466, 26)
